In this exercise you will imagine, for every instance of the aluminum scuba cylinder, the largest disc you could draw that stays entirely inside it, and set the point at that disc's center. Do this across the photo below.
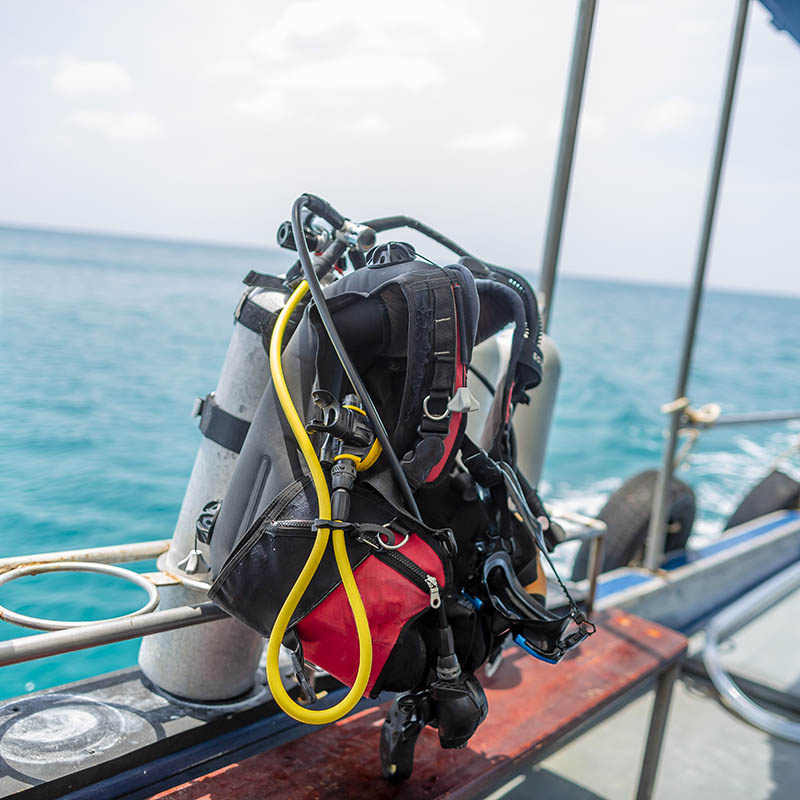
(215, 661)
(532, 421)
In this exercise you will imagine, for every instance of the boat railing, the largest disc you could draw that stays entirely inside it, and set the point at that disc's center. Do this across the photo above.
(66, 637)
(728, 622)
(696, 420)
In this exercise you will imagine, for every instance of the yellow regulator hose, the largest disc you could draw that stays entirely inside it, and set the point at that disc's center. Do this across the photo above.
(280, 694)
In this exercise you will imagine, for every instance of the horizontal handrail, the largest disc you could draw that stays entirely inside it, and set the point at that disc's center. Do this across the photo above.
(29, 648)
(744, 418)
(112, 554)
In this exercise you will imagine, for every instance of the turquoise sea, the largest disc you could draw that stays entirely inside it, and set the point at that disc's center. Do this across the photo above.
(105, 342)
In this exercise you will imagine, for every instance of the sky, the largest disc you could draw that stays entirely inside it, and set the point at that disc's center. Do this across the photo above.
(204, 120)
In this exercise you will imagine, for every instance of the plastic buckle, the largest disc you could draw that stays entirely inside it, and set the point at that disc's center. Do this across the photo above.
(206, 521)
(199, 403)
(448, 541)
(302, 678)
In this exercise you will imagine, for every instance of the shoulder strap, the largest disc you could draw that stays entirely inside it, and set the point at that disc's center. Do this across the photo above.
(435, 373)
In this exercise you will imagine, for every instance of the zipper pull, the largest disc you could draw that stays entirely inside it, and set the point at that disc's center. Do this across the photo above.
(433, 588)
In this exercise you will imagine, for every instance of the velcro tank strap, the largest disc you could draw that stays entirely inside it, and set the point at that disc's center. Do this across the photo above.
(218, 425)
(263, 281)
(262, 321)
(254, 316)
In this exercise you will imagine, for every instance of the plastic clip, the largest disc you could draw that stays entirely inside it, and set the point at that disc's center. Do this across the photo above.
(334, 524)
(301, 676)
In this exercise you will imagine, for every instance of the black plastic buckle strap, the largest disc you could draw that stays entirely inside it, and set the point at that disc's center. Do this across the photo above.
(480, 464)
(218, 425)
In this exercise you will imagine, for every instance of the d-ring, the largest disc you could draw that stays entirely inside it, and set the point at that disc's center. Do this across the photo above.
(385, 544)
(434, 417)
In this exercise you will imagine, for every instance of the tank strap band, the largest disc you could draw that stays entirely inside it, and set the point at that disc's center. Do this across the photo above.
(261, 320)
(220, 426)
(263, 281)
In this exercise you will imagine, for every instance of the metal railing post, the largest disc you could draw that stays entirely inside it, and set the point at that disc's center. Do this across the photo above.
(566, 150)
(658, 519)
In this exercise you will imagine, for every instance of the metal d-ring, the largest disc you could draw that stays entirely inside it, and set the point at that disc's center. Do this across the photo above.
(385, 545)
(76, 566)
(434, 417)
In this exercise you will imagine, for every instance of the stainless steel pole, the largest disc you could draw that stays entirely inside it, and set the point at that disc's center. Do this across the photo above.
(28, 648)
(566, 150)
(658, 519)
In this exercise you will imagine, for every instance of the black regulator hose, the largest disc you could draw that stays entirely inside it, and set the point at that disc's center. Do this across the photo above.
(401, 221)
(349, 368)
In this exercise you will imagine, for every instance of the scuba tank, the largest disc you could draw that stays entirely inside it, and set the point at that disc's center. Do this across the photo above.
(532, 420)
(216, 661)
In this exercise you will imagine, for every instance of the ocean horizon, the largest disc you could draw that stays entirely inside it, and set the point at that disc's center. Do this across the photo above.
(275, 250)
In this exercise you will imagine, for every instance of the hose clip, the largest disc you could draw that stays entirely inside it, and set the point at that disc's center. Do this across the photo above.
(334, 524)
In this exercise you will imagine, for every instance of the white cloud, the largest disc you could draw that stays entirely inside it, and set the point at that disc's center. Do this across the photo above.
(234, 68)
(345, 75)
(668, 115)
(358, 73)
(269, 105)
(388, 47)
(372, 123)
(91, 77)
(413, 26)
(592, 125)
(119, 125)
(35, 62)
(494, 140)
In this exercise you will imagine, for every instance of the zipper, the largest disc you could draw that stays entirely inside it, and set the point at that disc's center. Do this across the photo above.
(405, 566)
(293, 523)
